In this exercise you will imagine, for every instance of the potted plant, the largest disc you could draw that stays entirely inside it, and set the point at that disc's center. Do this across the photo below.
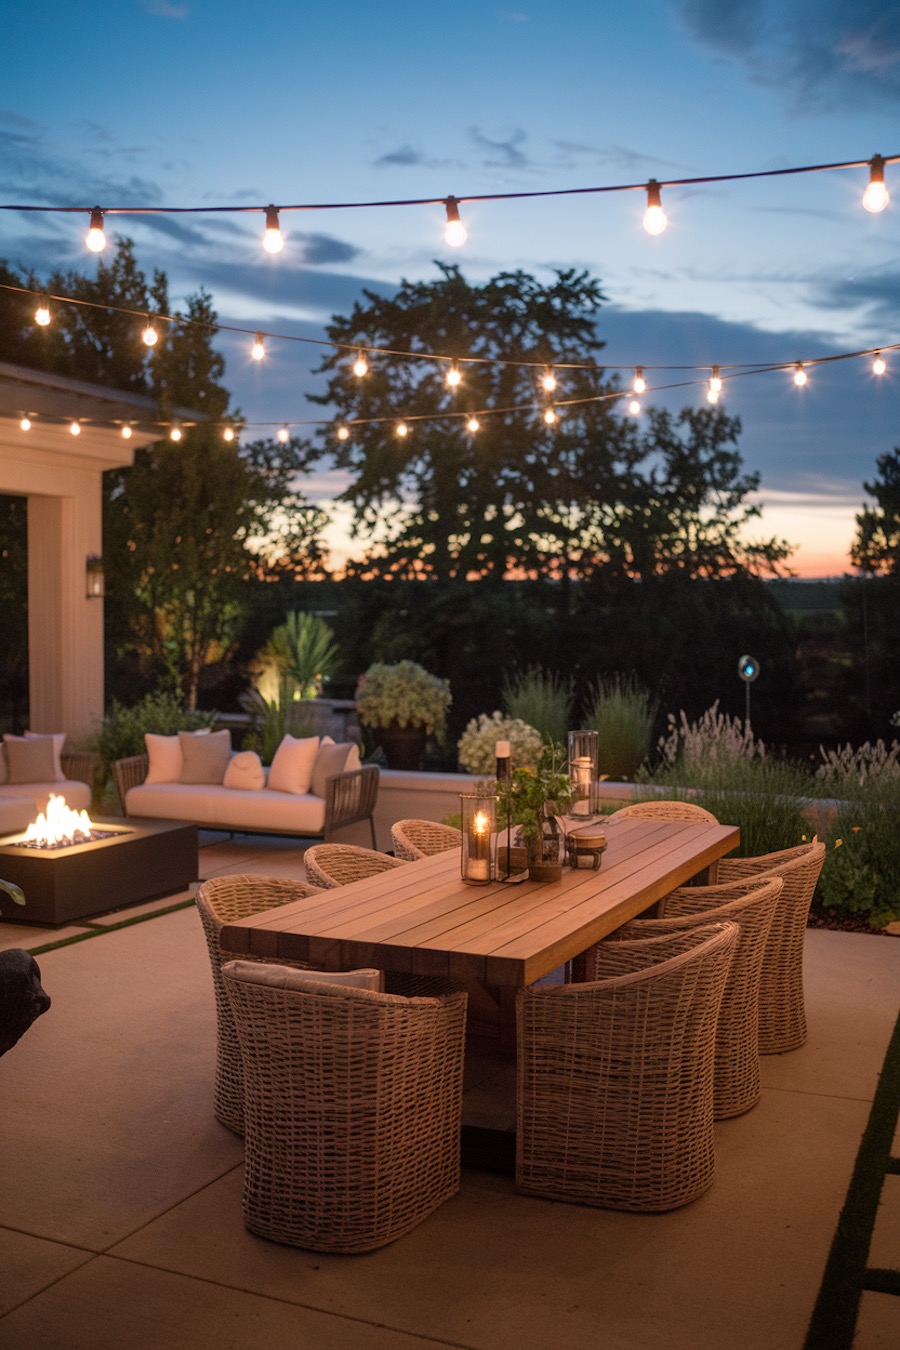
(404, 704)
(532, 799)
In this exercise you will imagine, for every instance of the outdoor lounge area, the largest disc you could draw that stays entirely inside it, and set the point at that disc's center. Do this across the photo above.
(122, 1225)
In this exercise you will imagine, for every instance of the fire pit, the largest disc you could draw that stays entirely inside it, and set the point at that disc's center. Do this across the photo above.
(70, 867)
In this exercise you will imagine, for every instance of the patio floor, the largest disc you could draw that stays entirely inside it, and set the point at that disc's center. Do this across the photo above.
(120, 1221)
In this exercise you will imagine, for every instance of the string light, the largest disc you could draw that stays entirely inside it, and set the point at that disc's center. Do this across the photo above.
(655, 219)
(876, 197)
(548, 381)
(800, 376)
(175, 433)
(273, 239)
(96, 239)
(402, 429)
(454, 376)
(74, 428)
(639, 384)
(550, 416)
(228, 434)
(879, 365)
(42, 314)
(343, 433)
(634, 408)
(126, 432)
(25, 424)
(472, 425)
(360, 366)
(284, 434)
(455, 232)
(258, 350)
(149, 336)
(715, 386)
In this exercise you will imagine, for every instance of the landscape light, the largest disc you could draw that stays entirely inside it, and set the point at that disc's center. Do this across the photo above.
(655, 220)
(454, 376)
(800, 376)
(879, 365)
(360, 365)
(150, 336)
(273, 239)
(639, 384)
(96, 239)
(42, 313)
(455, 233)
(258, 350)
(876, 197)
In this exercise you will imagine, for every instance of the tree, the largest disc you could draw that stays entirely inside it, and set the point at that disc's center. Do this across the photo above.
(876, 548)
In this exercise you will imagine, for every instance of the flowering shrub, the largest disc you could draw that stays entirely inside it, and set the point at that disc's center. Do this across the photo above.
(714, 737)
(478, 743)
(868, 761)
(406, 694)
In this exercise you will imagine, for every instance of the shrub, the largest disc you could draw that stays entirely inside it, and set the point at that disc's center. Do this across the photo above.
(478, 743)
(297, 657)
(541, 699)
(622, 711)
(122, 731)
(404, 693)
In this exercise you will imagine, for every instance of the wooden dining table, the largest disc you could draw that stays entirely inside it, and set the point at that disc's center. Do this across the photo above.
(423, 919)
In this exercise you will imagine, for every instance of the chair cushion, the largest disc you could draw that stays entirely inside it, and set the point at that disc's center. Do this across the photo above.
(204, 755)
(166, 760)
(31, 760)
(59, 739)
(287, 977)
(245, 770)
(293, 763)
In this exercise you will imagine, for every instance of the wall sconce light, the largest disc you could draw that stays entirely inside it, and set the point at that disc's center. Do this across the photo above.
(93, 570)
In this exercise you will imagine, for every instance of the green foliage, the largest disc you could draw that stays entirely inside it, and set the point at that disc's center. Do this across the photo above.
(862, 866)
(529, 794)
(478, 744)
(122, 731)
(404, 693)
(622, 711)
(877, 544)
(542, 699)
(299, 654)
(270, 721)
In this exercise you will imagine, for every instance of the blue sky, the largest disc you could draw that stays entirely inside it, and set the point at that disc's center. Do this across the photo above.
(159, 103)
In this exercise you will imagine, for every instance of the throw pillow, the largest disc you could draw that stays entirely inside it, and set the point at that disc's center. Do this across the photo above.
(330, 759)
(245, 771)
(59, 739)
(287, 977)
(205, 757)
(4, 766)
(30, 761)
(166, 760)
(293, 763)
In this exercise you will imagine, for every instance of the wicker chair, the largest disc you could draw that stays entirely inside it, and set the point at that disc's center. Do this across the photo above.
(353, 1102)
(329, 865)
(414, 839)
(782, 1016)
(223, 900)
(615, 1077)
(751, 906)
(666, 810)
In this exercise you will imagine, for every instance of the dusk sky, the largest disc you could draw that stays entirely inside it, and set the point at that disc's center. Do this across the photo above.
(153, 103)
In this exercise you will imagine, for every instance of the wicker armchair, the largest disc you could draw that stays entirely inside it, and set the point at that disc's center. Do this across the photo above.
(615, 1077)
(223, 900)
(330, 865)
(353, 1102)
(782, 1015)
(414, 839)
(751, 906)
(666, 810)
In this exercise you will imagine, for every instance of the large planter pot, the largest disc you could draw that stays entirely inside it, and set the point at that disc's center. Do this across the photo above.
(404, 747)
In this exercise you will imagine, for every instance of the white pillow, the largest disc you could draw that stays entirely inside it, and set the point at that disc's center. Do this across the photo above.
(287, 977)
(292, 765)
(245, 771)
(166, 759)
(59, 739)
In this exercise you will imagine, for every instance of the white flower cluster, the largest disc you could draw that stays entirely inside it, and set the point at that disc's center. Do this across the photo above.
(478, 743)
(867, 761)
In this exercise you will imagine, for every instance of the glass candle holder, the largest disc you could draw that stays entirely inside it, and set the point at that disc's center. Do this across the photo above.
(584, 752)
(479, 838)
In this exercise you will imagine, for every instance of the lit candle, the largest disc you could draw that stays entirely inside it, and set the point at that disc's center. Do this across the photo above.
(480, 847)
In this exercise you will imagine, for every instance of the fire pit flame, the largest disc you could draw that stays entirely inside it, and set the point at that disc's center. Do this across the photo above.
(59, 825)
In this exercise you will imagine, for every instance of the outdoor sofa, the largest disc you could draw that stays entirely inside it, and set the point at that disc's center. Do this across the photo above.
(34, 766)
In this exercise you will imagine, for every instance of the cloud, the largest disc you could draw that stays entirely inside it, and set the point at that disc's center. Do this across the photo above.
(406, 156)
(163, 9)
(824, 54)
(503, 154)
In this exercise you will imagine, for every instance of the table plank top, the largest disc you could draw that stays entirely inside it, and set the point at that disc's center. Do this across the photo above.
(424, 919)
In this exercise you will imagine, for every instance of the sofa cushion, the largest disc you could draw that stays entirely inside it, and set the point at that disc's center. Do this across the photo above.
(332, 758)
(288, 977)
(204, 756)
(77, 794)
(166, 760)
(217, 807)
(59, 739)
(31, 760)
(293, 763)
(245, 770)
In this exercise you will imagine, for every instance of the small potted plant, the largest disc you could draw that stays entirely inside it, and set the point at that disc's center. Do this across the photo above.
(404, 704)
(532, 799)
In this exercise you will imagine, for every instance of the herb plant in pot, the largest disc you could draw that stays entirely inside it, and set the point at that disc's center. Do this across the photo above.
(533, 798)
(403, 704)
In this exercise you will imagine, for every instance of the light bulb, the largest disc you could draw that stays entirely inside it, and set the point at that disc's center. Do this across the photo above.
(284, 434)
(96, 239)
(639, 384)
(273, 239)
(876, 196)
(75, 428)
(42, 314)
(126, 432)
(549, 417)
(472, 425)
(655, 220)
(634, 408)
(175, 434)
(715, 380)
(712, 395)
(150, 336)
(548, 381)
(25, 424)
(455, 232)
(454, 376)
(402, 429)
(879, 365)
(800, 376)
(228, 434)
(258, 351)
(343, 433)
(360, 365)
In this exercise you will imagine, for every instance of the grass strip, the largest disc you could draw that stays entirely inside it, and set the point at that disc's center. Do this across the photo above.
(97, 929)
(835, 1314)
